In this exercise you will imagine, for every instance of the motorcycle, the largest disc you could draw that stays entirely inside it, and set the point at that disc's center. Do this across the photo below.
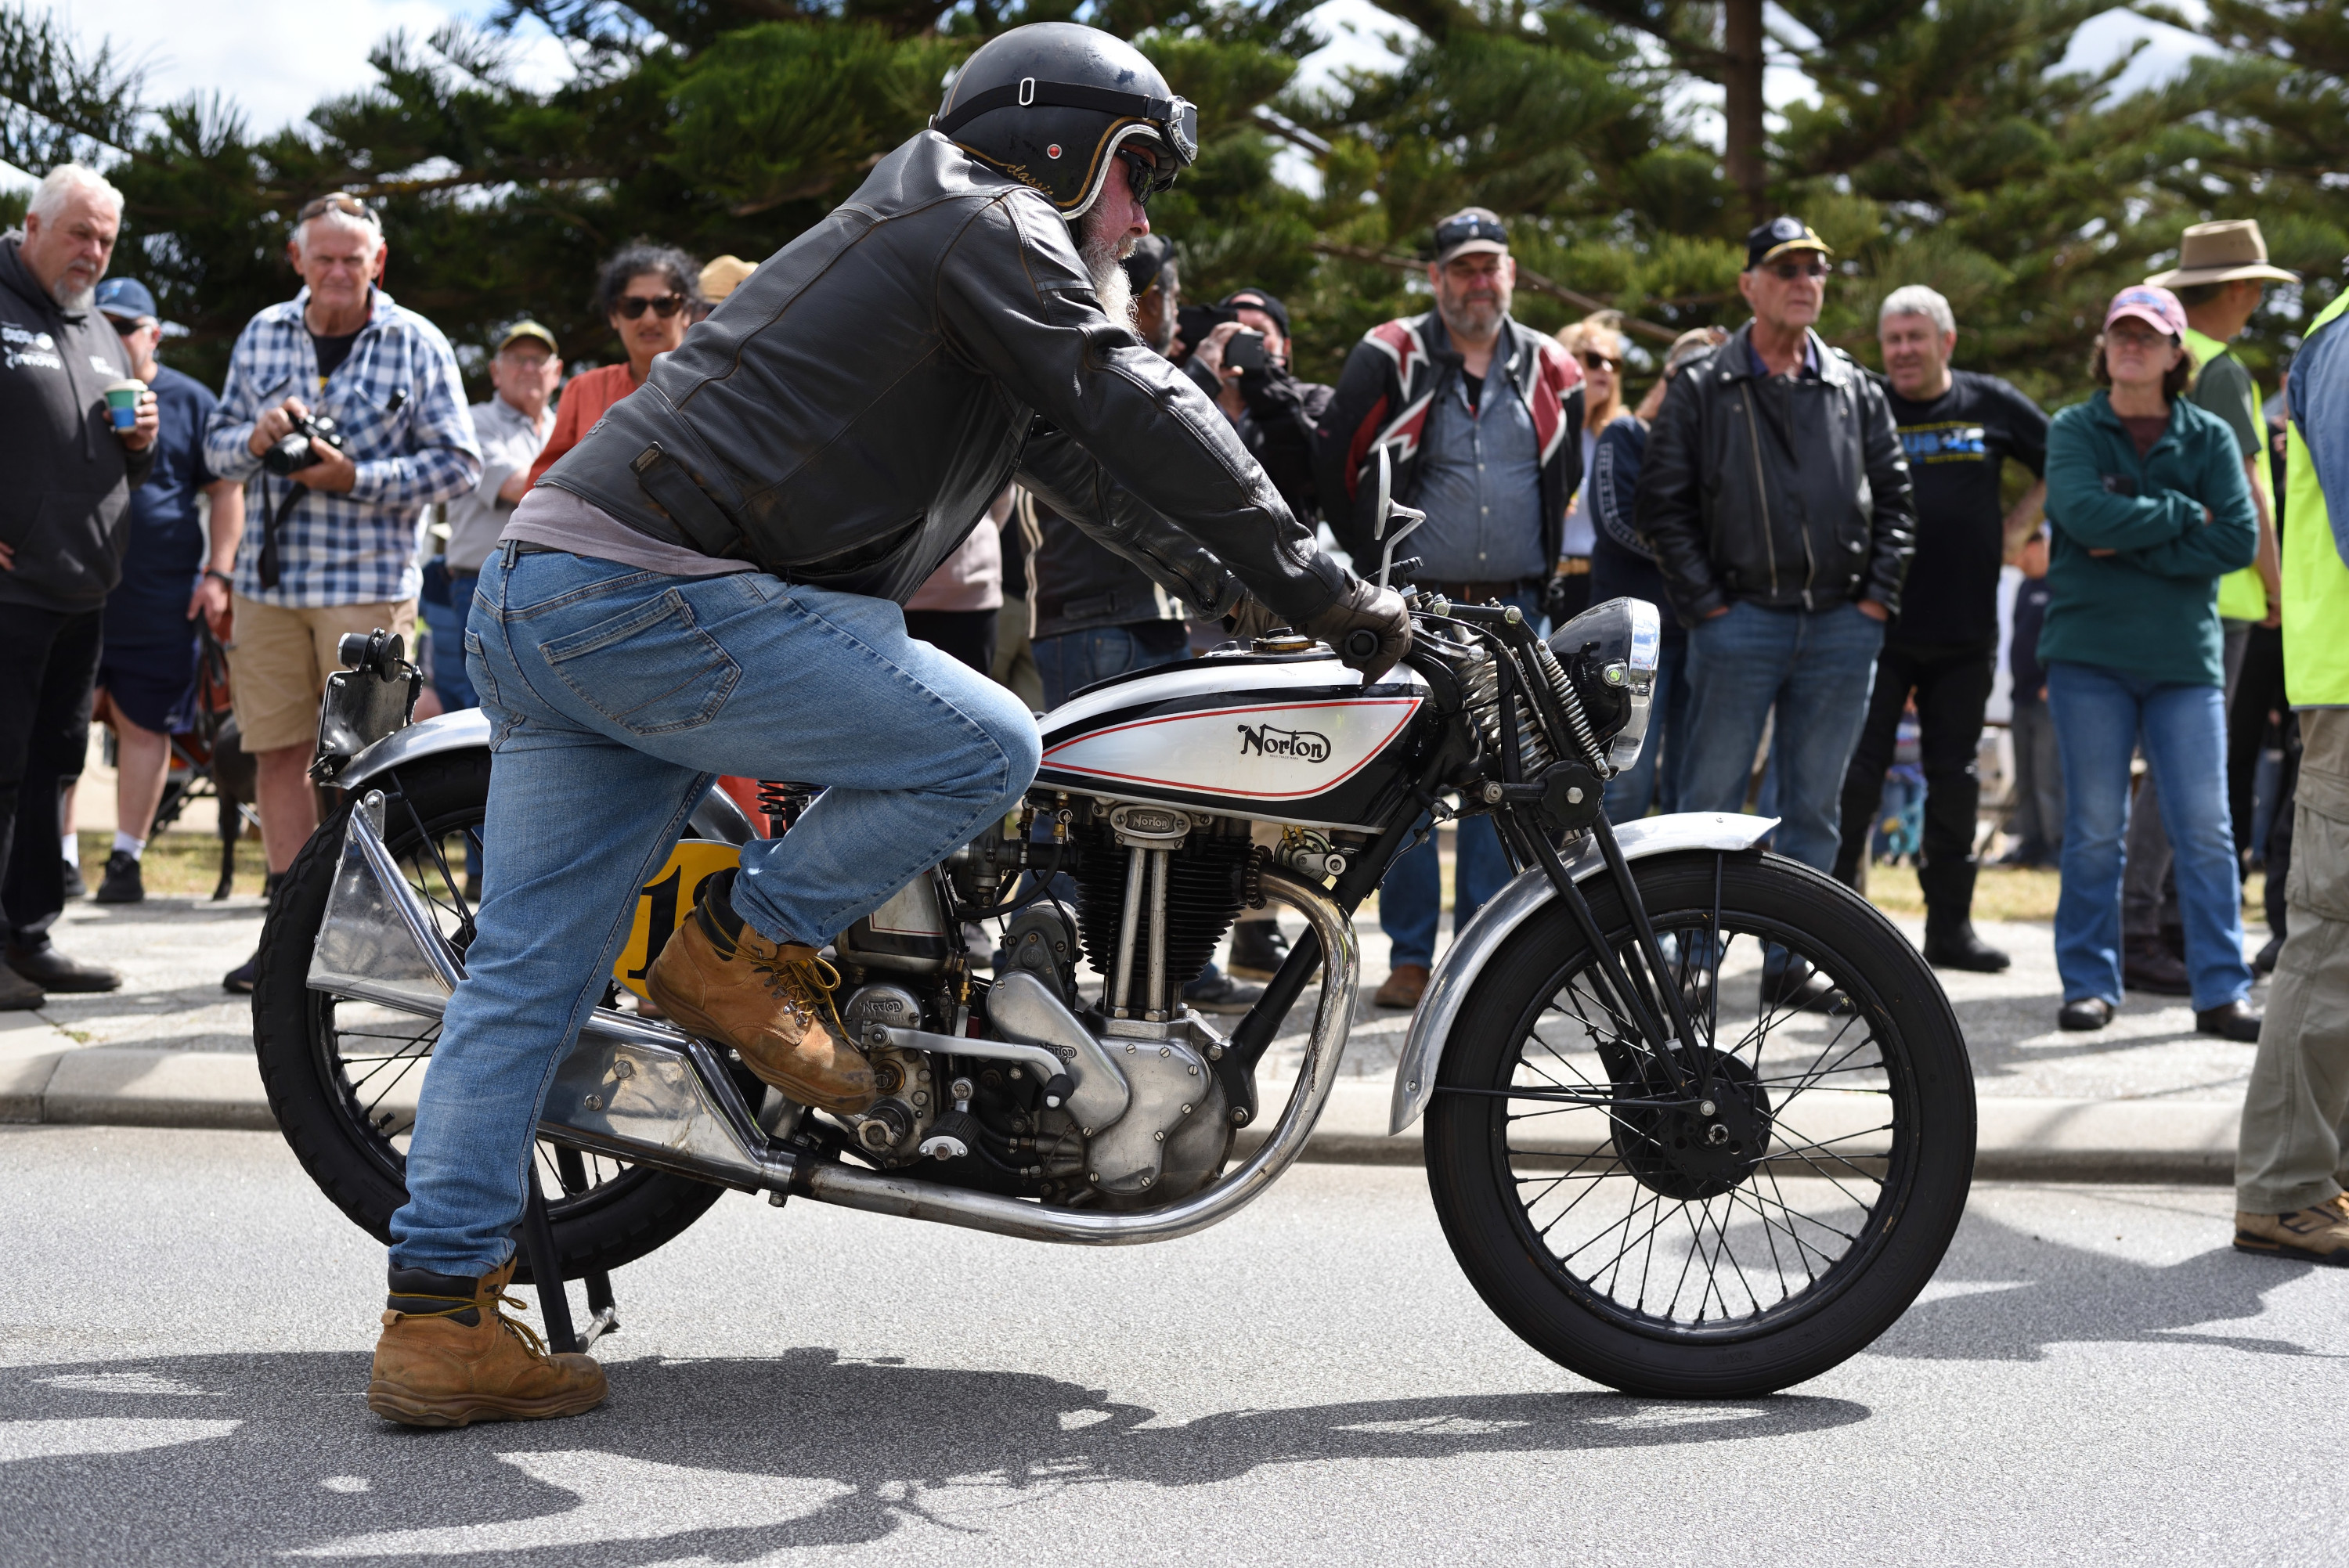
(1699, 1120)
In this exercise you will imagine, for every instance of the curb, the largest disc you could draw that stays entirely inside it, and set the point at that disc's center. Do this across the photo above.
(45, 1078)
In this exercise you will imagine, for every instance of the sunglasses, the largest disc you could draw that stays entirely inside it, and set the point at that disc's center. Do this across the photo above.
(1788, 271)
(1147, 176)
(1460, 231)
(1591, 361)
(2135, 336)
(339, 202)
(125, 329)
(634, 305)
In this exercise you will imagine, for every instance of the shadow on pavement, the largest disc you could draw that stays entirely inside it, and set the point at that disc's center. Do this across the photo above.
(2010, 1295)
(228, 1458)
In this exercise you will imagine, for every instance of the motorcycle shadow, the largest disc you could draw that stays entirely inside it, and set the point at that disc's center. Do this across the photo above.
(236, 1458)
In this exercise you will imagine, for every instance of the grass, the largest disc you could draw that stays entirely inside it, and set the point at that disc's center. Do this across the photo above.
(179, 865)
(2005, 894)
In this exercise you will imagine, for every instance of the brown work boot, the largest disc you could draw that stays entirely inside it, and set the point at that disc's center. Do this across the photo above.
(449, 1358)
(771, 1001)
(2317, 1235)
(1406, 983)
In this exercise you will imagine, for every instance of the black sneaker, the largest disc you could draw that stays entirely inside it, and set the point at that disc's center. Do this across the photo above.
(1216, 992)
(241, 979)
(75, 887)
(121, 883)
(1258, 949)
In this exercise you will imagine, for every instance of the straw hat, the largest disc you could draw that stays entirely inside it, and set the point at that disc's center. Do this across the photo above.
(2221, 254)
(724, 275)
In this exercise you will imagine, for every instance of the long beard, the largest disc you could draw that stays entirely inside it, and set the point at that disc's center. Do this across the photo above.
(1101, 255)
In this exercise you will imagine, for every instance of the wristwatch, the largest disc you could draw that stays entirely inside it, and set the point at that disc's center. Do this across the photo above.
(224, 577)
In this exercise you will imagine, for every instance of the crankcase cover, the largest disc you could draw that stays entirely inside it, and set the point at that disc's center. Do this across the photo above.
(1280, 739)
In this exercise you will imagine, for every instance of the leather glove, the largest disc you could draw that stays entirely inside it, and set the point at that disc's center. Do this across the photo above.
(1253, 618)
(1367, 626)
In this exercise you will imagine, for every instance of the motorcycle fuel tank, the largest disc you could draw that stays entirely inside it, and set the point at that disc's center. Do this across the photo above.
(1282, 738)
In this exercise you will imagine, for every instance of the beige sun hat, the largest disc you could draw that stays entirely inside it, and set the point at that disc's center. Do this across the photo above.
(724, 275)
(2219, 253)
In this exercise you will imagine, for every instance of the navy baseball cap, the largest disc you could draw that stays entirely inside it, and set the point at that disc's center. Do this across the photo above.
(127, 299)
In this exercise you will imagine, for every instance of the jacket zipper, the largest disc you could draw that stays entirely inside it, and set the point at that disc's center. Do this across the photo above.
(1761, 490)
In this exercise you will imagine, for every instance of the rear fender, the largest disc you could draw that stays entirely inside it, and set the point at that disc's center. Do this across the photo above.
(1455, 973)
(467, 729)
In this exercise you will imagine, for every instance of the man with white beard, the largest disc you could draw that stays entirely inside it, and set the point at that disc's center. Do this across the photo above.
(64, 525)
(711, 582)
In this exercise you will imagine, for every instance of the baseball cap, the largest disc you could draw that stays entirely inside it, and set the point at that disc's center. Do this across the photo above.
(1146, 263)
(127, 299)
(531, 331)
(2154, 305)
(1256, 299)
(1781, 234)
(1470, 230)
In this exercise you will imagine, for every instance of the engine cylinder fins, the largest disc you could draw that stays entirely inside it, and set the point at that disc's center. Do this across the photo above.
(1203, 887)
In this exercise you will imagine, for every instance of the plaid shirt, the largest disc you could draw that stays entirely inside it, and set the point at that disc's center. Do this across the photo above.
(400, 408)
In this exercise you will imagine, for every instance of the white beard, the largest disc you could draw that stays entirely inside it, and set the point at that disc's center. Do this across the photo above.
(1103, 263)
(72, 300)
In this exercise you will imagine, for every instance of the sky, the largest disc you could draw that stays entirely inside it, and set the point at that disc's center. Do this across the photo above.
(277, 58)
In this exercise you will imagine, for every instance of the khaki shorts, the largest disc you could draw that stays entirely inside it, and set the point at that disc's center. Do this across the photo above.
(282, 656)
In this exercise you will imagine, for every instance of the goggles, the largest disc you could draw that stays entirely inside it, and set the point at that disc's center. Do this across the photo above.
(1176, 120)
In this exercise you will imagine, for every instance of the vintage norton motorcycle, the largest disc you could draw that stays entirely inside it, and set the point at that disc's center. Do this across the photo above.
(1699, 1119)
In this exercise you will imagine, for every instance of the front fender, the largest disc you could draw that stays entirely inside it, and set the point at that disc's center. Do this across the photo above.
(1454, 974)
(467, 729)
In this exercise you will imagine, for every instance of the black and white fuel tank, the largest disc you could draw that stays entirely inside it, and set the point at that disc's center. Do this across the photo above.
(1279, 736)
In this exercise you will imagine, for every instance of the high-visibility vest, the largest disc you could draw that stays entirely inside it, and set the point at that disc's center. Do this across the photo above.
(2315, 580)
(2241, 595)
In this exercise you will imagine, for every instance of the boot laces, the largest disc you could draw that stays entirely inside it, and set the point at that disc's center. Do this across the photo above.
(793, 981)
(515, 1327)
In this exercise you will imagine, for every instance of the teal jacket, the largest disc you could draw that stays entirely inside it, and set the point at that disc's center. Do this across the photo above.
(2150, 609)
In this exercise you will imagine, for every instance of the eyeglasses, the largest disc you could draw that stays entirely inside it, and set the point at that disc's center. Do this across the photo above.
(1460, 231)
(634, 305)
(339, 202)
(1788, 271)
(2136, 337)
(1593, 361)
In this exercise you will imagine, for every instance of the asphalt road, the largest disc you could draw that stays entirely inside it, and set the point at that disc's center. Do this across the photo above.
(184, 1325)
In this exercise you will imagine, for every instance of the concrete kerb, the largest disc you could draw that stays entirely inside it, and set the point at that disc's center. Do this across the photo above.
(46, 1076)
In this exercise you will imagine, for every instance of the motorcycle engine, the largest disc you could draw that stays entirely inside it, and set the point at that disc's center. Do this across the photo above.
(1206, 884)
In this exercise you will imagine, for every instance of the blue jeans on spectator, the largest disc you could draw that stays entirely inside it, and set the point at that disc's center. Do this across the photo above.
(444, 618)
(1653, 780)
(1071, 661)
(2104, 715)
(616, 697)
(1815, 669)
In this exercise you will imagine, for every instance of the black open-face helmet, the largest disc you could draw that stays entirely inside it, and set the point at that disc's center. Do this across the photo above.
(1056, 106)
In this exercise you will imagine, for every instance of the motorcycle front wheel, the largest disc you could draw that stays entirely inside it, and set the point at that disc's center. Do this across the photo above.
(342, 1073)
(1722, 1243)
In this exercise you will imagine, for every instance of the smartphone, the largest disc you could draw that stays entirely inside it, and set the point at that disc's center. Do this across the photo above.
(1245, 351)
(1193, 322)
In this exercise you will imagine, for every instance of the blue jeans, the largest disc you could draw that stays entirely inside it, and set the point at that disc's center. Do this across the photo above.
(617, 696)
(1651, 781)
(2102, 716)
(1071, 661)
(445, 621)
(1815, 668)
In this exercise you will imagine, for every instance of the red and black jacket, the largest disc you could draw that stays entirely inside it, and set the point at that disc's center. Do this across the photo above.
(1393, 377)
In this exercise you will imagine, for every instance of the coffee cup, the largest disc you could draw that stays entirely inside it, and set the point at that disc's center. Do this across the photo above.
(122, 402)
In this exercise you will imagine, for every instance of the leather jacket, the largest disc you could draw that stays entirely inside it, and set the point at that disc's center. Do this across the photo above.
(1075, 585)
(848, 413)
(1788, 491)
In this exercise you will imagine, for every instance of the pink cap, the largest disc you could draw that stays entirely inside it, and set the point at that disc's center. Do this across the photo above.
(2155, 306)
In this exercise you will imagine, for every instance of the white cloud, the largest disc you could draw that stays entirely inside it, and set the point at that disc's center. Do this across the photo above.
(2103, 39)
(1356, 30)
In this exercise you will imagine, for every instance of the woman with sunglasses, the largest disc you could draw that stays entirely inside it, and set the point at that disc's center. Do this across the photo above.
(1597, 346)
(650, 295)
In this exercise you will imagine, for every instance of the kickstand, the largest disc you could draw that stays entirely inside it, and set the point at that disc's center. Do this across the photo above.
(603, 1315)
(546, 1272)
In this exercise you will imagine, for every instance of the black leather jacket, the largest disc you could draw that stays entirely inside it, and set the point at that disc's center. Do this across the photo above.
(847, 414)
(1788, 491)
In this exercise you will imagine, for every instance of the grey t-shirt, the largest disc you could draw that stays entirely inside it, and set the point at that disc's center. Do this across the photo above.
(2224, 386)
(561, 521)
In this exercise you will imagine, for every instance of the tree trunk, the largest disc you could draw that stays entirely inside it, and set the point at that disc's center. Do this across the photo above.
(1741, 152)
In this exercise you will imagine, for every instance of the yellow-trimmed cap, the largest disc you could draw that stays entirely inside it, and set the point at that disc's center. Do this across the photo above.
(530, 331)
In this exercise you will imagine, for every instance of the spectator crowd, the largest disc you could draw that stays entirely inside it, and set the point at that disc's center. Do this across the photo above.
(1828, 544)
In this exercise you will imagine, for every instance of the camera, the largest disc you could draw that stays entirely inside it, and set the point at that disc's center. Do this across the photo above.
(298, 448)
(1244, 350)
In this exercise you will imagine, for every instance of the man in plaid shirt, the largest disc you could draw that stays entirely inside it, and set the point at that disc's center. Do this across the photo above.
(332, 549)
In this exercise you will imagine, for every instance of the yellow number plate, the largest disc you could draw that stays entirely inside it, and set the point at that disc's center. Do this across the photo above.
(666, 900)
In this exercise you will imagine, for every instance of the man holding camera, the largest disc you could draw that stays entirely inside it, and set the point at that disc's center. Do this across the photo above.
(346, 416)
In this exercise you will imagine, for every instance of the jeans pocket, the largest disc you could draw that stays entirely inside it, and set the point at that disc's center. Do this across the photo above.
(651, 669)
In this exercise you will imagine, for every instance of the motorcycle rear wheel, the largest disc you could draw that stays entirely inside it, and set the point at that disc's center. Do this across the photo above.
(341, 1073)
(1726, 1254)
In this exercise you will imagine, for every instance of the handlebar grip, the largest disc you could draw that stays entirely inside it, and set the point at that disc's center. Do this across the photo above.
(1361, 644)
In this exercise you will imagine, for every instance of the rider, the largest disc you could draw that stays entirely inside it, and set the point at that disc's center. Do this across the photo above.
(710, 581)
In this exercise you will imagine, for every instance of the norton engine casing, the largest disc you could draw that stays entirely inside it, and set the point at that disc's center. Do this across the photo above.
(1277, 738)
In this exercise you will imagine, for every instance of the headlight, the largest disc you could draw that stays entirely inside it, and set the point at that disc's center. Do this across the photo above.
(1609, 653)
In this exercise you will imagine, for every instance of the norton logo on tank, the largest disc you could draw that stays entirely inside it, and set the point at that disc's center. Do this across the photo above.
(1267, 740)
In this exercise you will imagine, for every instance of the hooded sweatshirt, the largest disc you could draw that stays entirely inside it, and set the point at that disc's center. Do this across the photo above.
(66, 509)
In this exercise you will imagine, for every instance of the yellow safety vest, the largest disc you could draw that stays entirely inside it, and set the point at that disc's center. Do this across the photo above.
(2316, 582)
(2241, 595)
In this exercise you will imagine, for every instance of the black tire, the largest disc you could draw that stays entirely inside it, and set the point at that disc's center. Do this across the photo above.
(330, 1105)
(1873, 1209)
